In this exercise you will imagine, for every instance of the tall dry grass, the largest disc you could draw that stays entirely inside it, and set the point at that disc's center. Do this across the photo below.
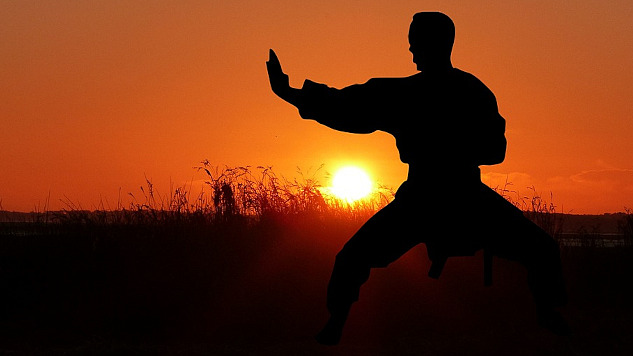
(245, 195)
(240, 194)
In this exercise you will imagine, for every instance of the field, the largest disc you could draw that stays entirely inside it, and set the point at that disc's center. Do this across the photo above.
(211, 277)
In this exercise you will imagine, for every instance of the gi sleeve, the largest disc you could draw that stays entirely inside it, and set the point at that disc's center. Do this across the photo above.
(356, 109)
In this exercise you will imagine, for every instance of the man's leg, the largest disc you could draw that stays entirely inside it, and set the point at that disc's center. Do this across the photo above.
(516, 238)
(379, 242)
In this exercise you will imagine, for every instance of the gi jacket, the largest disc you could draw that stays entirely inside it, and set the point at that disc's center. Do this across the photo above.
(447, 121)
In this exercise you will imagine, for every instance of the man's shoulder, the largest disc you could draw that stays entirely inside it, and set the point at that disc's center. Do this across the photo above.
(457, 77)
(471, 81)
(466, 76)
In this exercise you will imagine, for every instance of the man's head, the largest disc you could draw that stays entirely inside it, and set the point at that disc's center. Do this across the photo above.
(431, 38)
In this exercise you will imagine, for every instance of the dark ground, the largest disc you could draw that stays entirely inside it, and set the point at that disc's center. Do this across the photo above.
(261, 291)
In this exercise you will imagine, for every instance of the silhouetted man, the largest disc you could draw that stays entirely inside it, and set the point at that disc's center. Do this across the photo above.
(446, 124)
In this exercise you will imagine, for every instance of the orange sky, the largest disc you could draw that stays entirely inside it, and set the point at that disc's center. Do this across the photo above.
(96, 95)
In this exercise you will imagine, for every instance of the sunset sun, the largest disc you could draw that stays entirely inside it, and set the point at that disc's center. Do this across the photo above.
(351, 183)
